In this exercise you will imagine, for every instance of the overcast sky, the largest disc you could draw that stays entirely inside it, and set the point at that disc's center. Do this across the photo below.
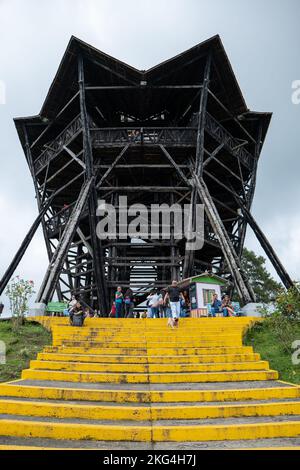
(262, 40)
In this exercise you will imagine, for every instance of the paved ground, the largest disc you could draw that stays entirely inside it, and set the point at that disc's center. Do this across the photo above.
(177, 446)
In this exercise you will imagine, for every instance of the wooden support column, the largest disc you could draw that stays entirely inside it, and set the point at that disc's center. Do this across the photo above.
(244, 289)
(250, 195)
(98, 259)
(188, 266)
(189, 258)
(201, 119)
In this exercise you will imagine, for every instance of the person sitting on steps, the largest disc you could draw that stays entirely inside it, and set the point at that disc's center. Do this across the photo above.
(226, 307)
(216, 305)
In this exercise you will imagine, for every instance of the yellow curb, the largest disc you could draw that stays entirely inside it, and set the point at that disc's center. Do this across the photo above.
(146, 413)
(148, 368)
(74, 431)
(223, 433)
(215, 359)
(170, 351)
(133, 396)
(86, 377)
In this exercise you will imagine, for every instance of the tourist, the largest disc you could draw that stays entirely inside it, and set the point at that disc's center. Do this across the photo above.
(71, 307)
(129, 303)
(216, 305)
(154, 300)
(187, 303)
(72, 302)
(113, 309)
(148, 311)
(119, 301)
(226, 307)
(77, 318)
(88, 313)
(174, 295)
(162, 305)
(182, 307)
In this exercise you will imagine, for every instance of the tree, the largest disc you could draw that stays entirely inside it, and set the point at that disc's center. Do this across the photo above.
(265, 287)
(19, 292)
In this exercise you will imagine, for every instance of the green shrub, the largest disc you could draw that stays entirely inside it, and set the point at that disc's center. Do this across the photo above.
(288, 302)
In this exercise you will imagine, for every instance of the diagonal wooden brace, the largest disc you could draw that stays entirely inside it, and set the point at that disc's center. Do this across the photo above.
(244, 289)
(52, 275)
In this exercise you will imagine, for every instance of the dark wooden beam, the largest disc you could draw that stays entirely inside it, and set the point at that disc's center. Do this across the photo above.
(55, 266)
(244, 288)
(201, 118)
(112, 166)
(88, 153)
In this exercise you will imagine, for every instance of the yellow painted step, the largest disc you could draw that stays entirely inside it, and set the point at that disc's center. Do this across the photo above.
(226, 432)
(137, 330)
(146, 413)
(268, 448)
(106, 332)
(216, 340)
(151, 344)
(208, 358)
(94, 377)
(9, 447)
(146, 322)
(147, 337)
(174, 351)
(146, 433)
(145, 368)
(132, 334)
(142, 396)
(74, 431)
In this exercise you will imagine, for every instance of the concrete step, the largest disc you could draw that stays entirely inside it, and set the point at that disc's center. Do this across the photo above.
(146, 351)
(196, 411)
(126, 384)
(148, 368)
(150, 344)
(196, 339)
(145, 322)
(170, 333)
(243, 429)
(208, 358)
(149, 378)
(85, 330)
(19, 443)
(142, 394)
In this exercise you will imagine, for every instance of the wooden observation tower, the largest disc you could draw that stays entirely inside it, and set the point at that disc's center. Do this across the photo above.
(178, 133)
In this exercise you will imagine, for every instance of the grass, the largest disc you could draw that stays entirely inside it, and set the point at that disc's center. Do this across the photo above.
(21, 347)
(271, 342)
